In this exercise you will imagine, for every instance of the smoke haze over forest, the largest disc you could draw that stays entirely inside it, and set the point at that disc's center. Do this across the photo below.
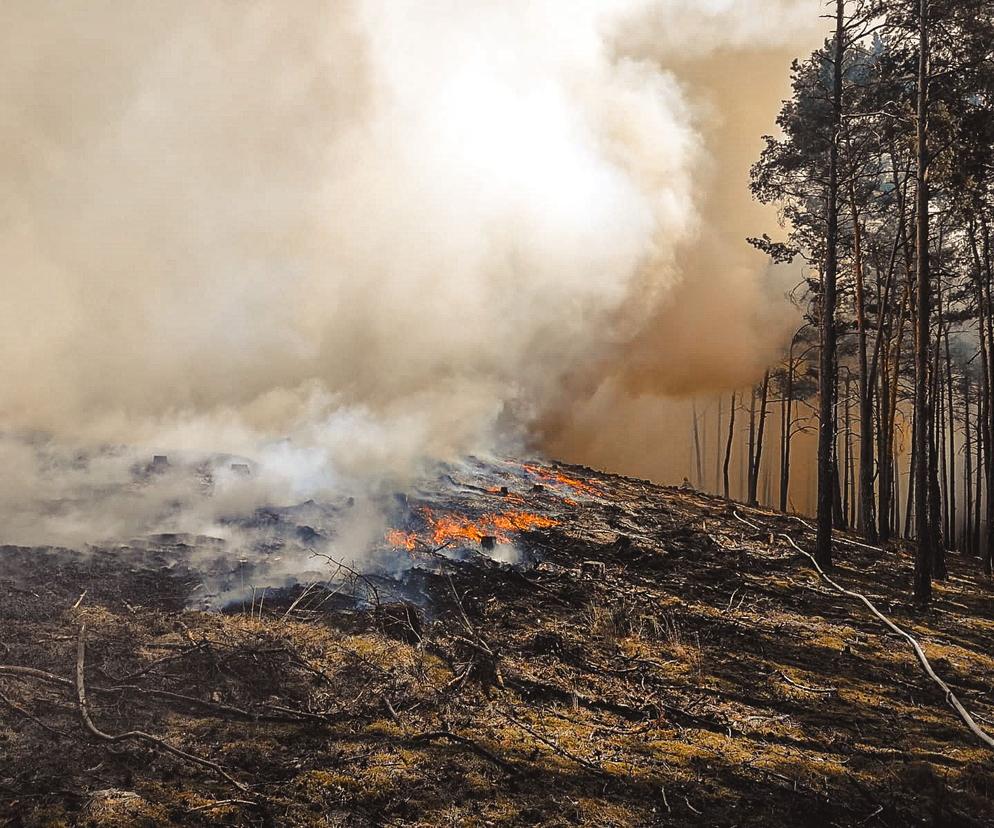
(385, 231)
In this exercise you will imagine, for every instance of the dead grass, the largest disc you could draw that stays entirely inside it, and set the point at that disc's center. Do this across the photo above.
(651, 695)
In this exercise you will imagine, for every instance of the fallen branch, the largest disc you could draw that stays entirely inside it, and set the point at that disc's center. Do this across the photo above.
(293, 716)
(951, 699)
(135, 735)
(27, 714)
(477, 748)
(824, 690)
(163, 660)
(549, 743)
(219, 804)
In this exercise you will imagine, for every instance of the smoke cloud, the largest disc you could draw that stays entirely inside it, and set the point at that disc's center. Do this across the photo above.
(383, 231)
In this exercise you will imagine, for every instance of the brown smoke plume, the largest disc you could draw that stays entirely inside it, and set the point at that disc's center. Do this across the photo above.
(383, 230)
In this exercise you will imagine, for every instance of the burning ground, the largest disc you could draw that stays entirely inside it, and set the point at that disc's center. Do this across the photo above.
(523, 644)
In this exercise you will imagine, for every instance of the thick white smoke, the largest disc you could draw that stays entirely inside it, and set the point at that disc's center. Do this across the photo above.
(386, 229)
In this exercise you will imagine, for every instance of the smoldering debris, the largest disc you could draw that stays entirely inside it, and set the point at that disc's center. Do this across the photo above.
(226, 527)
(657, 642)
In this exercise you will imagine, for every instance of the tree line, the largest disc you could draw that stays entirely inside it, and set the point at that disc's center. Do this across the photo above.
(883, 174)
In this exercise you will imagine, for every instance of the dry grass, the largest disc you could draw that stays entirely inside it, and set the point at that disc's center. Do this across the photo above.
(652, 695)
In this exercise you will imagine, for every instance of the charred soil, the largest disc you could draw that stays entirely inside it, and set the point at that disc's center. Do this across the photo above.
(656, 661)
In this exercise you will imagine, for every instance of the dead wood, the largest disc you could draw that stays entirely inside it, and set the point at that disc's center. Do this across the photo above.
(166, 695)
(27, 714)
(220, 803)
(476, 747)
(135, 735)
(558, 749)
(823, 690)
(951, 699)
(148, 668)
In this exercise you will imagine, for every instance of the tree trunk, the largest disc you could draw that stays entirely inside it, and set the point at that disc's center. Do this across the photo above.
(787, 435)
(750, 494)
(827, 376)
(968, 459)
(935, 420)
(728, 446)
(756, 461)
(988, 316)
(717, 442)
(867, 517)
(952, 534)
(923, 527)
(909, 506)
(697, 447)
(847, 456)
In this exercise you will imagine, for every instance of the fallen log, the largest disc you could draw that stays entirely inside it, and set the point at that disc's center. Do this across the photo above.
(951, 699)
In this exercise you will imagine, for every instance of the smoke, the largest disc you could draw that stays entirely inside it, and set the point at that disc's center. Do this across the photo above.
(379, 231)
(727, 317)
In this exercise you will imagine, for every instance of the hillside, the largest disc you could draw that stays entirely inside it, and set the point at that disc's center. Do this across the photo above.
(646, 658)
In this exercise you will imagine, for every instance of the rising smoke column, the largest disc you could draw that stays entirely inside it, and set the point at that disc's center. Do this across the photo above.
(386, 229)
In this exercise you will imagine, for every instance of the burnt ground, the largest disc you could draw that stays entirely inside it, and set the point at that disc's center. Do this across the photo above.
(658, 663)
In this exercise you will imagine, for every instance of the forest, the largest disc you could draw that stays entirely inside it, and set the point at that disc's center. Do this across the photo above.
(347, 354)
(882, 170)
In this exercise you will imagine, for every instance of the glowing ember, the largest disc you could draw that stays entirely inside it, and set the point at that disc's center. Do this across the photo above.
(443, 529)
(510, 497)
(571, 482)
(402, 540)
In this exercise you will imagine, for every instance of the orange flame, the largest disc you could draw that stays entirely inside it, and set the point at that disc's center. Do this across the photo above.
(572, 482)
(509, 497)
(402, 540)
(455, 527)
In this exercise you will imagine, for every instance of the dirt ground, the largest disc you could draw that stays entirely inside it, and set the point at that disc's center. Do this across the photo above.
(658, 662)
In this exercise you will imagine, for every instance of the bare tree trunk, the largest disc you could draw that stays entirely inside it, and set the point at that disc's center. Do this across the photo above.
(983, 440)
(935, 422)
(942, 438)
(923, 528)
(756, 460)
(867, 516)
(728, 446)
(750, 494)
(981, 454)
(697, 447)
(787, 435)
(890, 421)
(717, 442)
(909, 507)
(838, 516)
(952, 532)
(846, 453)
(895, 517)
(968, 459)
(827, 374)
(890, 486)
(987, 315)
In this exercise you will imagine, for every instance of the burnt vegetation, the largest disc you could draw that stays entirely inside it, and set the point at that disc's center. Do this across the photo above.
(552, 645)
(657, 656)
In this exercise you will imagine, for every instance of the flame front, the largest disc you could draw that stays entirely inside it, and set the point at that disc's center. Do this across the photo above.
(448, 528)
(402, 540)
(570, 482)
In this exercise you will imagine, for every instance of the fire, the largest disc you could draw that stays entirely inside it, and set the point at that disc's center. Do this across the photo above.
(510, 497)
(444, 529)
(571, 482)
(402, 540)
